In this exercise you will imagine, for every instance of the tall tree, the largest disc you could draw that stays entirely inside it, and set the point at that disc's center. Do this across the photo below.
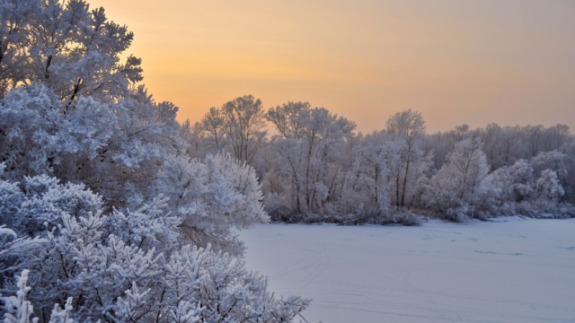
(376, 154)
(214, 124)
(244, 124)
(408, 127)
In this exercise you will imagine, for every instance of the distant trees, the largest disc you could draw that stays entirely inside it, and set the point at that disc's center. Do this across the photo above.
(315, 168)
(236, 127)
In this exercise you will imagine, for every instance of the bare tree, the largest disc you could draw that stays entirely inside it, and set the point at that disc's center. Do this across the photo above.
(289, 118)
(214, 122)
(244, 124)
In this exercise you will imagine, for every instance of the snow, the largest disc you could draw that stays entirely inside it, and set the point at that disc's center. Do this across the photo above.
(514, 271)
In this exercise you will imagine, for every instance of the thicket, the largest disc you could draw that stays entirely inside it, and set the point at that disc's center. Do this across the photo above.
(316, 168)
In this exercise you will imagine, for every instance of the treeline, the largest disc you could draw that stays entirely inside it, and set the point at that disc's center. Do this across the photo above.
(314, 167)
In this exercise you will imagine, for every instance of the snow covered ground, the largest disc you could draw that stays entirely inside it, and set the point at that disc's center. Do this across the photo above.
(514, 271)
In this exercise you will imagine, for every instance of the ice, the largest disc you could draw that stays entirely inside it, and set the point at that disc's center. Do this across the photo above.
(515, 271)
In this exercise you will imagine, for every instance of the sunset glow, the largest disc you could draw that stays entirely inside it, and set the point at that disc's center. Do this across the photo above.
(455, 61)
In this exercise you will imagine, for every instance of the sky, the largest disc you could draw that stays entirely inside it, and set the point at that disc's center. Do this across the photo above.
(456, 61)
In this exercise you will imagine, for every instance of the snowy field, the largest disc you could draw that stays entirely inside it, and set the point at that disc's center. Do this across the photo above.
(514, 271)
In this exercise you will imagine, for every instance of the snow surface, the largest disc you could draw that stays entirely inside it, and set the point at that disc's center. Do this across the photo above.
(514, 271)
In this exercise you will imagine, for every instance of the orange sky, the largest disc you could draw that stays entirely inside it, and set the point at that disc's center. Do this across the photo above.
(456, 61)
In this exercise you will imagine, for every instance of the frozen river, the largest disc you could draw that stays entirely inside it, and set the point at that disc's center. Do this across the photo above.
(514, 271)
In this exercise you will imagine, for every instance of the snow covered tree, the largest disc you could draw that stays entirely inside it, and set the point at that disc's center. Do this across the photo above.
(109, 148)
(38, 204)
(309, 154)
(236, 127)
(130, 265)
(213, 123)
(375, 154)
(194, 136)
(244, 123)
(75, 111)
(212, 197)
(552, 160)
(548, 188)
(15, 19)
(556, 137)
(46, 200)
(289, 118)
(408, 129)
(532, 188)
(76, 52)
(461, 186)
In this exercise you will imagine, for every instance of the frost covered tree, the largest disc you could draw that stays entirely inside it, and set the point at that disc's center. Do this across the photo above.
(375, 154)
(461, 186)
(193, 135)
(316, 169)
(408, 129)
(548, 188)
(75, 51)
(309, 154)
(243, 125)
(289, 118)
(552, 160)
(533, 187)
(109, 148)
(128, 266)
(212, 197)
(75, 111)
(236, 127)
(502, 146)
(18, 309)
(213, 123)
(15, 20)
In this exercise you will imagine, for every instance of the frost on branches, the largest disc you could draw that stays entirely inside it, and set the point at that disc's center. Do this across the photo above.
(127, 266)
(316, 169)
(212, 197)
(461, 187)
(70, 108)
